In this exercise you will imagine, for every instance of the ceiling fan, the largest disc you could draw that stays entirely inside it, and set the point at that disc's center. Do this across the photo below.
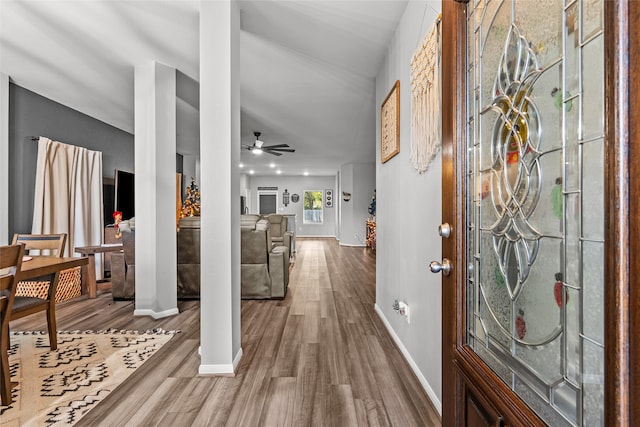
(259, 148)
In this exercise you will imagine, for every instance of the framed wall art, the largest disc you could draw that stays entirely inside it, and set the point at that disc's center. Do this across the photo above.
(328, 198)
(390, 124)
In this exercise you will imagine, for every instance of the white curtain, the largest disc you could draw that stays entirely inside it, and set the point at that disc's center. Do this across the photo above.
(68, 195)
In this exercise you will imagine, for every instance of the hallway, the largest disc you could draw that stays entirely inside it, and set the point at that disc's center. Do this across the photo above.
(321, 356)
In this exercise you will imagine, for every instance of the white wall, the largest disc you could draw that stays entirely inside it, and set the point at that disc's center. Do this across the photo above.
(358, 179)
(409, 209)
(298, 185)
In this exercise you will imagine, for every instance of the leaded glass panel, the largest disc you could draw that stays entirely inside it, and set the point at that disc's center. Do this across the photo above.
(535, 207)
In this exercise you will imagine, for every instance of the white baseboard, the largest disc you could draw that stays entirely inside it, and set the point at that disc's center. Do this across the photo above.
(414, 366)
(313, 236)
(359, 245)
(236, 360)
(222, 369)
(156, 314)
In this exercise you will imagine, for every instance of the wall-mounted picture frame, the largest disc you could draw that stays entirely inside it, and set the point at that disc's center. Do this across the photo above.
(390, 124)
(295, 197)
(328, 198)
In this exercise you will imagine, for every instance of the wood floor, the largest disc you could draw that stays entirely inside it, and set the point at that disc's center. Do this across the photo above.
(320, 357)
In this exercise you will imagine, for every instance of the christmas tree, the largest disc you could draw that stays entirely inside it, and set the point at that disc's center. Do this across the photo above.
(191, 204)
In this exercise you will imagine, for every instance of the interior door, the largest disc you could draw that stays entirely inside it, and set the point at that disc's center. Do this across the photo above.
(267, 203)
(537, 294)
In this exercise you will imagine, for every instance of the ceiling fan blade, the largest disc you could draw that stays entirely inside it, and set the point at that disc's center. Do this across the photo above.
(275, 150)
(283, 150)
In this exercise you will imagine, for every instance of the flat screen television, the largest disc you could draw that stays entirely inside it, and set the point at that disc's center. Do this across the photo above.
(125, 194)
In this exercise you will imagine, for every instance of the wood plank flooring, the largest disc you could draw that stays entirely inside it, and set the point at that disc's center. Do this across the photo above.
(320, 357)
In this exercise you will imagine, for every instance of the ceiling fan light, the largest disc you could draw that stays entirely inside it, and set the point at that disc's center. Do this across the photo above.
(257, 151)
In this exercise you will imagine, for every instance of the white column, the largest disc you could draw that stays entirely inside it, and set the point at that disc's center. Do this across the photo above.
(220, 194)
(4, 159)
(155, 184)
(4, 153)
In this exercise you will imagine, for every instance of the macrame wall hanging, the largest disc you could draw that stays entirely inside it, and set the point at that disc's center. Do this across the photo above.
(425, 100)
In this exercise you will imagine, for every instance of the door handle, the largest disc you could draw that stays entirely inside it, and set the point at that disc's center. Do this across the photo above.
(445, 267)
(444, 230)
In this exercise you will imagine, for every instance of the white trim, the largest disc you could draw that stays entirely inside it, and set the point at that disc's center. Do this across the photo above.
(414, 366)
(314, 236)
(221, 369)
(156, 315)
(236, 360)
(353, 246)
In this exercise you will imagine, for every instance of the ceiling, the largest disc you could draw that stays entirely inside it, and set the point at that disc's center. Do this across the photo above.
(307, 68)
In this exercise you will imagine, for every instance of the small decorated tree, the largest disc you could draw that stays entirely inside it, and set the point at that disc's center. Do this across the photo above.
(191, 204)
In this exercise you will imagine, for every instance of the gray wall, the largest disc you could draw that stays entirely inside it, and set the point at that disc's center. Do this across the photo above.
(359, 179)
(297, 185)
(409, 210)
(33, 115)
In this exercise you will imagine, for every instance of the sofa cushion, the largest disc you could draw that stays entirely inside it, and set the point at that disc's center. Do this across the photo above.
(254, 247)
(255, 281)
(129, 224)
(262, 225)
(278, 224)
(249, 221)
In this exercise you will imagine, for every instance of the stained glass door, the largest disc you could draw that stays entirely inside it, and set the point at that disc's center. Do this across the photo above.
(535, 202)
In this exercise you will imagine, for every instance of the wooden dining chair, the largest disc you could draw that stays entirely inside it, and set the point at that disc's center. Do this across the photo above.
(46, 301)
(46, 243)
(10, 264)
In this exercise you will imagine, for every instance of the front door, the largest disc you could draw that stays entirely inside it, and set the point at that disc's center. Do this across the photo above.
(536, 295)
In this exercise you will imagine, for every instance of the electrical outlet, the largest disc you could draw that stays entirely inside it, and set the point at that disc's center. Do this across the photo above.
(404, 310)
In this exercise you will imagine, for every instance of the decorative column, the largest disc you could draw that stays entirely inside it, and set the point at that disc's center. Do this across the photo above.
(155, 184)
(220, 187)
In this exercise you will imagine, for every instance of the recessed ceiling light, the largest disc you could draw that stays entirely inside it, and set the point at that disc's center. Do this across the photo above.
(306, 173)
(278, 171)
(251, 172)
(241, 165)
(272, 165)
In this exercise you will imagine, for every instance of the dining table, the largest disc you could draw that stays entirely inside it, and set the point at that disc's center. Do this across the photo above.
(89, 283)
(37, 266)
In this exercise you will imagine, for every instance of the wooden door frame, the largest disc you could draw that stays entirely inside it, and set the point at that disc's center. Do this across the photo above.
(453, 66)
(622, 233)
(633, 123)
(622, 182)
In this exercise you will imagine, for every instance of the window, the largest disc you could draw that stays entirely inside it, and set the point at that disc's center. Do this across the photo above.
(312, 207)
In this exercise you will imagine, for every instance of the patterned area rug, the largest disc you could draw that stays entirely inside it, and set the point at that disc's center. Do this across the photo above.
(56, 388)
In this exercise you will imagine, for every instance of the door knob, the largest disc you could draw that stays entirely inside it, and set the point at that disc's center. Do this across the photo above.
(445, 267)
(444, 230)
